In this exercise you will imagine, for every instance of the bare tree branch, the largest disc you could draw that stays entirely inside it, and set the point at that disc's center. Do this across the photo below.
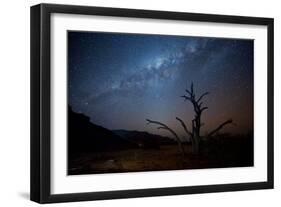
(186, 98)
(204, 94)
(164, 126)
(219, 127)
(184, 126)
(187, 91)
(204, 108)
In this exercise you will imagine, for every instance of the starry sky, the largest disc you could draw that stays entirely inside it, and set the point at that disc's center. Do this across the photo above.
(119, 79)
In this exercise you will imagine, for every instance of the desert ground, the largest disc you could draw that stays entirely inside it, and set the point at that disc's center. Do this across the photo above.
(220, 152)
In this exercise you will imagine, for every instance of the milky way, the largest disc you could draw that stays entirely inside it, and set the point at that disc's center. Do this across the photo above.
(119, 80)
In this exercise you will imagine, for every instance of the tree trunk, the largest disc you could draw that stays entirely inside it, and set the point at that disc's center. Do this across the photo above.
(196, 146)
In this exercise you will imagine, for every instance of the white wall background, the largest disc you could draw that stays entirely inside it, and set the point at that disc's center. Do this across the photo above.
(14, 101)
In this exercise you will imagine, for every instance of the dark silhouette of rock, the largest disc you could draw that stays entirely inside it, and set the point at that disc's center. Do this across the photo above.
(144, 139)
(85, 137)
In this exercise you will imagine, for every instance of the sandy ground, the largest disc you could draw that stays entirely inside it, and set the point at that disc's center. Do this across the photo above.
(167, 157)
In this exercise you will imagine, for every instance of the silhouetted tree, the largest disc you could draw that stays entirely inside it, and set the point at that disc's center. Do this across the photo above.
(195, 132)
(198, 108)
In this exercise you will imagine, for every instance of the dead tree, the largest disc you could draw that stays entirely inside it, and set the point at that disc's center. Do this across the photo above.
(195, 135)
(196, 124)
(165, 127)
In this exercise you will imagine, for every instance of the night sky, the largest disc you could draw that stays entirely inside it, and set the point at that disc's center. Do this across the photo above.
(119, 80)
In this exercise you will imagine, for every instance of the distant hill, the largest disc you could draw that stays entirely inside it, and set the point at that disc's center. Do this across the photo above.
(144, 139)
(84, 136)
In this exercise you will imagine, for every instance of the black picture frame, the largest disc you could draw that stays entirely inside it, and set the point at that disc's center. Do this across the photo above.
(40, 184)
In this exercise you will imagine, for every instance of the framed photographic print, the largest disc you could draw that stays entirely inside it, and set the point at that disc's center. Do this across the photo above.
(132, 103)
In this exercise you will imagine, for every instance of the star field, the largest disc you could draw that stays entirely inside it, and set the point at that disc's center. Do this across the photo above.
(119, 80)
